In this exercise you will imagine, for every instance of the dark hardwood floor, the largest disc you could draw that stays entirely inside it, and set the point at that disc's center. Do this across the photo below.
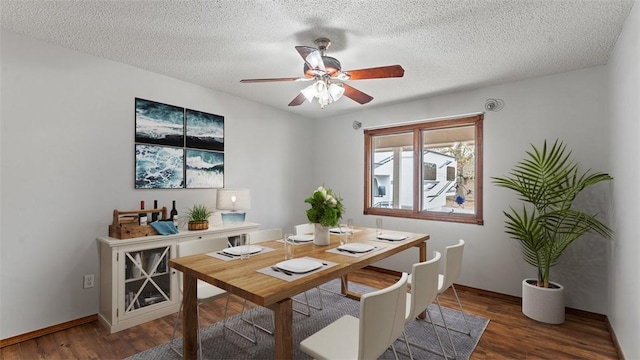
(509, 335)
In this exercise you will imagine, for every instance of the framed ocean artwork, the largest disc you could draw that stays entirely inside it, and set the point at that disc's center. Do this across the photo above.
(177, 147)
(159, 124)
(204, 131)
(204, 169)
(159, 167)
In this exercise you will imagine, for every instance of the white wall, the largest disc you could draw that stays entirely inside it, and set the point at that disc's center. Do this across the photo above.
(67, 160)
(624, 67)
(570, 106)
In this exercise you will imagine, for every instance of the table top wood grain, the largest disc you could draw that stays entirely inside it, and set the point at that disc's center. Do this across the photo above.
(241, 278)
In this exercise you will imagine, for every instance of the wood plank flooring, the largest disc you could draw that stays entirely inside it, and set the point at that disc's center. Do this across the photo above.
(509, 335)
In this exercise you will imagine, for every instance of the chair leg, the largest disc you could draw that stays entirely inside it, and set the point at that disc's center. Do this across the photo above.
(455, 354)
(175, 327)
(305, 303)
(394, 351)
(252, 320)
(406, 342)
(225, 326)
(435, 330)
(464, 316)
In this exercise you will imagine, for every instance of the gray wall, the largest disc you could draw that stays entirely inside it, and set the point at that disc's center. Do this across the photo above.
(624, 67)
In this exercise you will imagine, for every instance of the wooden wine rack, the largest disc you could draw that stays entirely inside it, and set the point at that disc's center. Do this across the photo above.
(126, 224)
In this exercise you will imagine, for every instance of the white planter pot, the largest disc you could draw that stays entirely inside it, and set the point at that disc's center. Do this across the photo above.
(543, 304)
(320, 234)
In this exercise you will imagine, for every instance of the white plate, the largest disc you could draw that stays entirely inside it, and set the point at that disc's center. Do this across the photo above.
(339, 230)
(392, 237)
(299, 266)
(239, 250)
(301, 238)
(357, 247)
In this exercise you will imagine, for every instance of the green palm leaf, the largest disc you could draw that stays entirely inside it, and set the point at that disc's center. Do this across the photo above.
(549, 180)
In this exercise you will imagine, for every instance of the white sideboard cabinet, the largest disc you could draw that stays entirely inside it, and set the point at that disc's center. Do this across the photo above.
(136, 283)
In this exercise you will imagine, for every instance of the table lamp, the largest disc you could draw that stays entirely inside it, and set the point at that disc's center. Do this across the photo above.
(233, 200)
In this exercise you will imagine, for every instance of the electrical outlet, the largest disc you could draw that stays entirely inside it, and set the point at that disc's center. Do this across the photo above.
(88, 281)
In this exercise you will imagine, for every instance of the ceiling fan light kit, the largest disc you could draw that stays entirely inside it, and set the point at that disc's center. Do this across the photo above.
(328, 78)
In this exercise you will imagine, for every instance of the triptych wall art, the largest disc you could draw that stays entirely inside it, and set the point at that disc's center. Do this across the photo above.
(178, 147)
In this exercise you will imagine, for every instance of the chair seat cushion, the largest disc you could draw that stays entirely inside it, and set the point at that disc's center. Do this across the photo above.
(207, 291)
(338, 340)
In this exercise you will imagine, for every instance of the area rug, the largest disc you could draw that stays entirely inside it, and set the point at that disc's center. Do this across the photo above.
(219, 344)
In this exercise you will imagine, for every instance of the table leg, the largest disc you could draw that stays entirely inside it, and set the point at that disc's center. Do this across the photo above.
(283, 332)
(190, 317)
(422, 258)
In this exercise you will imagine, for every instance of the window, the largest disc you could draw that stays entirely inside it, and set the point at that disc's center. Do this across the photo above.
(429, 170)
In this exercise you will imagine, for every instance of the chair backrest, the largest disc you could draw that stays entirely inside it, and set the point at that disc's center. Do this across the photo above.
(452, 264)
(424, 286)
(302, 229)
(382, 321)
(259, 236)
(199, 246)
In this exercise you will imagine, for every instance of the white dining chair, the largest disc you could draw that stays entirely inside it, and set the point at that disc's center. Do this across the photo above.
(206, 292)
(451, 272)
(303, 229)
(381, 322)
(424, 289)
(254, 237)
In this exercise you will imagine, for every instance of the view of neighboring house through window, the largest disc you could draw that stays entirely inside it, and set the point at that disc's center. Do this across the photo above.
(428, 170)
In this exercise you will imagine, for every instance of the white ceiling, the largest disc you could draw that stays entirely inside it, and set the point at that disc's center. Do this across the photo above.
(443, 45)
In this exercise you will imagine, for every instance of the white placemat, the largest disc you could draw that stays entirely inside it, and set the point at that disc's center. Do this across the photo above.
(292, 277)
(220, 255)
(355, 254)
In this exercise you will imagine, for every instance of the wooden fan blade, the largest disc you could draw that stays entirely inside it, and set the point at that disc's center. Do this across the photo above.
(298, 100)
(376, 72)
(356, 95)
(268, 80)
(311, 56)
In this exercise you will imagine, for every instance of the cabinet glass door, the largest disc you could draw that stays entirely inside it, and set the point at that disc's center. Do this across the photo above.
(147, 278)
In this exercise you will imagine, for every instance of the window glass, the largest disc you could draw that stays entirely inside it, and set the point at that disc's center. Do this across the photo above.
(429, 170)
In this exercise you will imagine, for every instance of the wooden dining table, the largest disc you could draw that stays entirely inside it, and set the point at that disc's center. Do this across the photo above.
(241, 278)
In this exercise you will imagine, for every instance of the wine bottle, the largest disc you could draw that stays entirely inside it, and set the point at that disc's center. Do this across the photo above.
(142, 217)
(154, 215)
(174, 214)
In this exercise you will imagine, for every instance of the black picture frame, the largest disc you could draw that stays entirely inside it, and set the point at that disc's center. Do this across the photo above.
(176, 147)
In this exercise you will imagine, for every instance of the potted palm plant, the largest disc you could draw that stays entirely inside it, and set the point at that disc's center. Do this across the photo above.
(198, 217)
(547, 181)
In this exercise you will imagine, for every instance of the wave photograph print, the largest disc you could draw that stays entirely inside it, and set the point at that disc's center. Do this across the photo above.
(205, 169)
(204, 131)
(159, 124)
(159, 167)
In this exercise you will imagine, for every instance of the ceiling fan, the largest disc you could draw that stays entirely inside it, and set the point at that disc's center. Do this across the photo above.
(328, 78)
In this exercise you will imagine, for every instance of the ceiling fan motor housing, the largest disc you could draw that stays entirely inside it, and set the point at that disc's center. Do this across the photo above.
(331, 64)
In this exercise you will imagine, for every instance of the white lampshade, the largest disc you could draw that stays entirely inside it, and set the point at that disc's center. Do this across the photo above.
(309, 92)
(233, 199)
(336, 91)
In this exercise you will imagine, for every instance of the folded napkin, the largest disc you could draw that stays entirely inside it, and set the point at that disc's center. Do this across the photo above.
(164, 227)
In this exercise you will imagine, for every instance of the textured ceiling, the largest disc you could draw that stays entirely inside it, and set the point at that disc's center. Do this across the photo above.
(443, 45)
